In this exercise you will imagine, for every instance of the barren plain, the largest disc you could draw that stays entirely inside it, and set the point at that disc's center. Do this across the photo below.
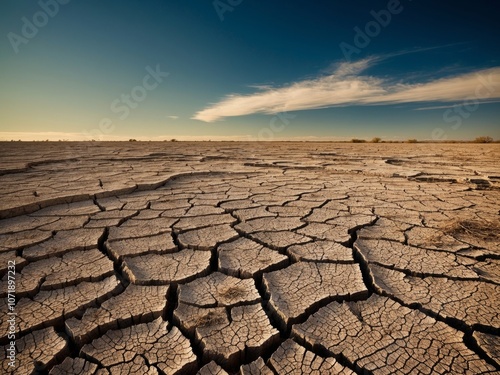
(251, 258)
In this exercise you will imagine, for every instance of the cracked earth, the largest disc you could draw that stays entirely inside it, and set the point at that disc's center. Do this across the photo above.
(251, 258)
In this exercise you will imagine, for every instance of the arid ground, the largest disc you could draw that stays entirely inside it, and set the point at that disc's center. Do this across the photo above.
(259, 258)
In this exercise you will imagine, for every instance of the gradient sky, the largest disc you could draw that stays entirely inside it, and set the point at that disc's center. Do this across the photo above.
(251, 70)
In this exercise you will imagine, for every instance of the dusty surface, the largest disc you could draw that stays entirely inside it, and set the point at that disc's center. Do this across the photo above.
(221, 258)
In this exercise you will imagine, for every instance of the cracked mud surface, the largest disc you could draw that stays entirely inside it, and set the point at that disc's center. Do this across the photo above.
(225, 258)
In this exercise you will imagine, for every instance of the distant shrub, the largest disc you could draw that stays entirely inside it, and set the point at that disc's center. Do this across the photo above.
(354, 140)
(483, 139)
(173, 140)
(413, 140)
(376, 140)
(132, 140)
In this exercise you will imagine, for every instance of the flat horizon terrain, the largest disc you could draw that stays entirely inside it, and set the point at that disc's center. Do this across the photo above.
(250, 257)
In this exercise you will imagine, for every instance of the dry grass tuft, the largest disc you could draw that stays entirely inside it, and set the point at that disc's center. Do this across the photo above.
(234, 292)
(485, 230)
(210, 319)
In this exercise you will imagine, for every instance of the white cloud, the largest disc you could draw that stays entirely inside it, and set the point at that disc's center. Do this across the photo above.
(451, 105)
(173, 117)
(346, 86)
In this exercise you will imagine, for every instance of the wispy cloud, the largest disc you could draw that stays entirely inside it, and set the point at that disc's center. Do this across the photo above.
(430, 108)
(346, 85)
(173, 117)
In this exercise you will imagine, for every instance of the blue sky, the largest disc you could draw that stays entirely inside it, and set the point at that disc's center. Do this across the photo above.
(231, 69)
